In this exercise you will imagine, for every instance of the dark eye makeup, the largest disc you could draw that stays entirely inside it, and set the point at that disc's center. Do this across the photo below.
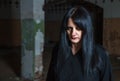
(70, 28)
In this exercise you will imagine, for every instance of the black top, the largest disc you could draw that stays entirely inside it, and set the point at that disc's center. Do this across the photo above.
(72, 69)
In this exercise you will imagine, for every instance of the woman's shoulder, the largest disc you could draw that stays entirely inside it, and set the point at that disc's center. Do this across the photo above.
(101, 51)
(103, 56)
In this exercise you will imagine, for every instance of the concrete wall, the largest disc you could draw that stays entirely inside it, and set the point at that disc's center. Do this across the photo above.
(52, 29)
(111, 35)
(111, 8)
(10, 33)
(10, 23)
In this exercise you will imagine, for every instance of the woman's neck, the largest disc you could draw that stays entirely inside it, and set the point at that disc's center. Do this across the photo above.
(75, 48)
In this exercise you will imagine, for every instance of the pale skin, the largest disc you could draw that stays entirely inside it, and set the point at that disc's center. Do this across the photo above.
(75, 35)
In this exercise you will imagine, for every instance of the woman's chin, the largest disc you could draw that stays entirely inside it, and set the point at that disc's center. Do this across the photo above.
(75, 41)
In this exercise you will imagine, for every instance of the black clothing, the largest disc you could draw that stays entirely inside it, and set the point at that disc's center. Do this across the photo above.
(72, 69)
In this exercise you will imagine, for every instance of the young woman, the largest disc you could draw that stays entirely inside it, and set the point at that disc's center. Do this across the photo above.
(76, 57)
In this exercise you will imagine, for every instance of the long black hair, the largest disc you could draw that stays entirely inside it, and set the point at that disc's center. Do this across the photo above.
(81, 17)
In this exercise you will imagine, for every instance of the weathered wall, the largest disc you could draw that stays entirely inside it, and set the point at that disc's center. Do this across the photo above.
(10, 32)
(52, 29)
(111, 35)
(10, 23)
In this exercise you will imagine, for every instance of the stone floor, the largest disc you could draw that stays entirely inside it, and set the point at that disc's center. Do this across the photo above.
(10, 65)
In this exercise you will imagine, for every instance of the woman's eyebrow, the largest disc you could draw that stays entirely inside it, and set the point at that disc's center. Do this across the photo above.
(69, 26)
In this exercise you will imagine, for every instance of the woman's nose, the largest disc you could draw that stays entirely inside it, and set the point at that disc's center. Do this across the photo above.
(73, 32)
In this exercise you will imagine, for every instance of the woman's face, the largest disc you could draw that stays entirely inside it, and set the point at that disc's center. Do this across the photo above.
(74, 33)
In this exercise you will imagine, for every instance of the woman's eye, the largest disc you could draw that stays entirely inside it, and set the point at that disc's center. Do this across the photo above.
(68, 28)
(78, 28)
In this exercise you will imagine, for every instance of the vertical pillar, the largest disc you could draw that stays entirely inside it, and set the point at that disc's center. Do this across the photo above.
(32, 27)
(27, 31)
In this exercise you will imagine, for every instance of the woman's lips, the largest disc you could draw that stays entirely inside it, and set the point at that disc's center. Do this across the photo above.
(74, 38)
